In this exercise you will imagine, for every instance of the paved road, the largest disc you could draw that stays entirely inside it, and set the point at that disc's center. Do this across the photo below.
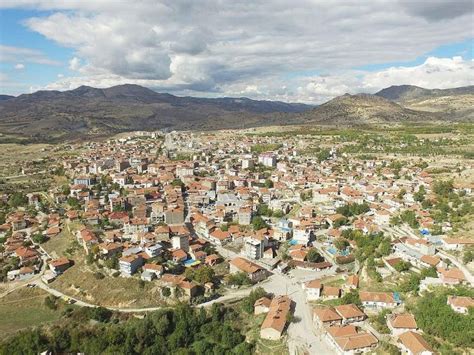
(303, 337)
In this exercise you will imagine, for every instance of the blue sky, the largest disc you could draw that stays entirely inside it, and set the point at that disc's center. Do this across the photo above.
(306, 53)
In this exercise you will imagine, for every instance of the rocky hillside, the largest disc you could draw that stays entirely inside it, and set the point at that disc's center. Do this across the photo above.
(454, 104)
(87, 111)
(362, 109)
(91, 111)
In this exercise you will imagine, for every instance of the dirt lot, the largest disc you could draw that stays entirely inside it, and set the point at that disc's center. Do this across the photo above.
(80, 281)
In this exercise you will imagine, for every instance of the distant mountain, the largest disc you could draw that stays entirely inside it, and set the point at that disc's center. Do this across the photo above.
(92, 111)
(87, 111)
(362, 109)
(455, 104)
(6, 97)
(411, 92)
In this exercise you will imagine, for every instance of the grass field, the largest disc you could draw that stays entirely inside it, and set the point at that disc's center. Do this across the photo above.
(24, 308)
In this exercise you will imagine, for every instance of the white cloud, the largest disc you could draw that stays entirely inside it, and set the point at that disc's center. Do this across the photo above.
(9, 54)
(269, 49)
(19, 66)
(74, 64)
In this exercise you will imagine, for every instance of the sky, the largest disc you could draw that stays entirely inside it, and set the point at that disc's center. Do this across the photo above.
(296, 51)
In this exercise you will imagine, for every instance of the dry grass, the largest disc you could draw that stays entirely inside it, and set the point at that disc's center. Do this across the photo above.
(79, 281)
(24, 308)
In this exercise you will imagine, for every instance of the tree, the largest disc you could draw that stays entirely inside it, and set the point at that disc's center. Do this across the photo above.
(402, 266)
(351, 297)
(166, 292)
(258, 223)
(401, 194)
(39, 238)
(340, 222)
(204, 274)
(324, 154)
(17, 199)
(341, 244)
(268, 183)
(50, 302)
(419, 196)
(249, 301)
(314, 256)
(443, 188)
(238, 279)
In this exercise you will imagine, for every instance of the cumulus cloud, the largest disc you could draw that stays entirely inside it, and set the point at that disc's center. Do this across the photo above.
(74, 64)
(269, 49)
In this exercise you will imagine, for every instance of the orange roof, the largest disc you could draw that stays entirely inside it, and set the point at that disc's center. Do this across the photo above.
(430, 260)
(353, 280)
(59, 262)
(347, 311)
(458, 301)
(414, 342)
(357, 341)
(327, 314)
(453, 273)
(342, 330)
(385, 297)
(406, 321)
(276, 317)
(245, 265)
(313, 284)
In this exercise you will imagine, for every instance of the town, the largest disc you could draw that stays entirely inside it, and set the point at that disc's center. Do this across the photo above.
(342, 246)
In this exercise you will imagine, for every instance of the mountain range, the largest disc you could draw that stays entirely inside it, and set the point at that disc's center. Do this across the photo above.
(88, 111)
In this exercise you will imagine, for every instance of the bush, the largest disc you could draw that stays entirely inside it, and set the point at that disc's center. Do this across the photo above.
(166, 292)
(51, 302)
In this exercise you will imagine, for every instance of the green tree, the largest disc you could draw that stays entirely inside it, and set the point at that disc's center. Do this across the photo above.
(314, 256)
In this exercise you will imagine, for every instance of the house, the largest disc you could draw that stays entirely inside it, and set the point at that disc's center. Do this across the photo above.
(253, 247)
(460, 304)
(401, 323)
(109, 249)
(58, 266)
(331, 292)
(129, 264)
(212, 260)
(245, 216)
(155, 269)
(412, 343)
(313, 289)
(378, 299)
(451, 276)
(350, 313)
(274, 323)
(347, 340)
(326, 317)
(220, 237)
(456, 243)
(21, 274)
(153, 250)
(253, 271)
(179, 255)
(352, 282)
(262, 305)
(26, 255)
(430, 261)
(180, 242)
(190, 288)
